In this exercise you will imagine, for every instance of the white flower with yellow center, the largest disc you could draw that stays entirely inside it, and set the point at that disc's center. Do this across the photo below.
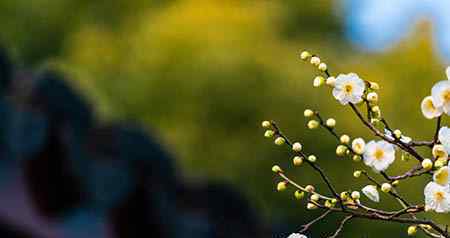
(444, 138)
(429, 110)
(379, 155)
(437, 197)
(441, 176)
(441, 95)
(349, 88)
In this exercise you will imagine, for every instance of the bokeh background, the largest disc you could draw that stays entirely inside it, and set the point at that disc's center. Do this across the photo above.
(202, 74)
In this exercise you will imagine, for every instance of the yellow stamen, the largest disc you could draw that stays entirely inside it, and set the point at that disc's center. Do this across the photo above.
(439, 196)
(446, 95)
(379, 153)
(348, 88)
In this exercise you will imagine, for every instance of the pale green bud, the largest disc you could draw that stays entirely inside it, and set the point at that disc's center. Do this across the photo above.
(427, 164)
(279, 141)
(313, 124)
(299, 194)
(297, 160)
(281, 186)
(276, 169)
(266, 124)
(386, 187)
(330, 123)
(345, 139)
(269, 133)
(297, 147)
(308, 113)
(315, 61)
(312, 158)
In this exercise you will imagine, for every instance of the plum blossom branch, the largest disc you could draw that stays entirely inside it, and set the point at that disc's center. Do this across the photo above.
(351, 90)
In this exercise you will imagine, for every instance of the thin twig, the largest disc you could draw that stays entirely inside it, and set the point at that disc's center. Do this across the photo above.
(341, 226)
(309, 224)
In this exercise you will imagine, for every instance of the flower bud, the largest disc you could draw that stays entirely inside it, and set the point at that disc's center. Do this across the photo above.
(312, 158)
(439, 151)
(412, 230)
(395, 183)
(358, 146)
(311, 206)
(297, 147)
(341, 150)
(297, 160)
(279, 141)
(322, 67)
(314, 197)
(344, 195)
(356, 158)
(397, 134)
(269, 133)
(345, 139)
(313, 124)
(281, 186)
(439, 163)
(331, 81)
(305, 55)
(299, 194)
(266, 124)
(372, 97)
(376, 111)
(356, 195)
(331, 122)
(374, 86)
(386, 187)
(315, 61)
(318, 81)
(357, 173)
(427, 164)
(308, 113)
(309, 188)
(328, 204)
(276, 169)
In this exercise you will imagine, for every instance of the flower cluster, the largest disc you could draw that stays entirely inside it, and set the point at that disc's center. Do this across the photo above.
(377, 154)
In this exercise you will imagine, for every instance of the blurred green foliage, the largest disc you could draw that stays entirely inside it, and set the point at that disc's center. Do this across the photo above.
(203, 74)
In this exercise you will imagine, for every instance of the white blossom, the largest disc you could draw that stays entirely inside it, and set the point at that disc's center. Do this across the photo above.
(379, 155)
(297, 235)
(441, 95)
(444, 138)
(371, 192)
(441, 176)
(349, 88)
(429, 110)
(359, 146)
(437, 197)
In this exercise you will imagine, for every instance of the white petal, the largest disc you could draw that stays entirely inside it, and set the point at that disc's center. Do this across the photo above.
(441, 176)
(436, 92)
(447, 72)
(444, 138)
(371, 192)
(429, 110)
